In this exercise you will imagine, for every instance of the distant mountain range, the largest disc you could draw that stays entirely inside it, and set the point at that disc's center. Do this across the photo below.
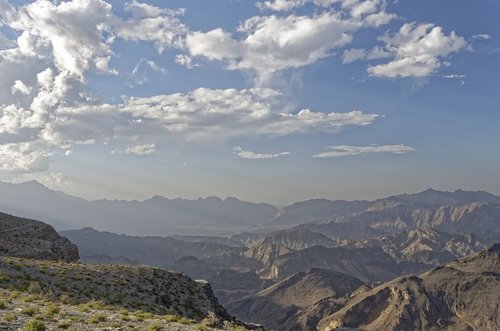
(459, 212)
(155, 216)
(314, 265)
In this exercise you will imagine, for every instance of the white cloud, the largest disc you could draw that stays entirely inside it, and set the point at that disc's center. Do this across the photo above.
(454, 76)
(45, 106)
(20, 87)
(243, 154)
(146, 149)
(149, 23)
(338, 151)
(282, 5)
(481, 36)
(354, 54)
(24, 157)
(274, 43)
(198, 115)
(418, 50)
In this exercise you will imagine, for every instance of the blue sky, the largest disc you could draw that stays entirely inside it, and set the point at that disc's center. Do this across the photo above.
(276, 101)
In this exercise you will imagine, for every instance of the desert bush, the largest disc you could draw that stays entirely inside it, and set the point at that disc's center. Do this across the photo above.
(66, 324)
(35, 325)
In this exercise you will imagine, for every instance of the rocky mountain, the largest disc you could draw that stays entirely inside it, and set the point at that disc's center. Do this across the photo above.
(461, 295)
(27, 238)
(479, 218)
(459, 212)
(299, 238)
(155, 216)
(99, 246)
(435, 198)
(281, 306)
(425, 245)
(317, 210)
(351, 230)
(366, 264)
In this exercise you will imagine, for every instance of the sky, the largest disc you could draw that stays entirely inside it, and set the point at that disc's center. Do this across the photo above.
(270, 101)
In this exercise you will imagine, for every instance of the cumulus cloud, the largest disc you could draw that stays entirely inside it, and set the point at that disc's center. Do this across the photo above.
(23, 157)
(418, 50)
(274, 43)
(207, 113)
(342, 150)
(20, 87)
(198, 115)
(162, 26)
(45, 106)
(243, 154)
(355, 54)
(43, 73)
(146, 149)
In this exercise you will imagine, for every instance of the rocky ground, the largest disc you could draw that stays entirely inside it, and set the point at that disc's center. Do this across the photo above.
(56, 295)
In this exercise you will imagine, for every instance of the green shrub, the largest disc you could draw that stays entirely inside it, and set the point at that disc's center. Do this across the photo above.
(155, 326)
(34, 326)
(51, 310)
(3, 278)
(96, 319)
(66, 324)
(30, 311)
(10, 317)
(172, 318)
(2, 305)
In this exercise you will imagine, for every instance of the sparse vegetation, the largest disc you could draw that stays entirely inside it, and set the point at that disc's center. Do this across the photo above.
(35, 325)
(63, 296)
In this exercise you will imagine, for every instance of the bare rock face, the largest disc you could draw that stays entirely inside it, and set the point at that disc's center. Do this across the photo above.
(20, 237)
(283, 306)
(426, 245)
(461, 295)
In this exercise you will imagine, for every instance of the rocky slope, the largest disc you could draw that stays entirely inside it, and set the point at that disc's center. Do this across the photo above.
(97, 297)
(461, 295)
(33, 239)
(296, 239)
(367, 264)
(282, 305)
(425, 245)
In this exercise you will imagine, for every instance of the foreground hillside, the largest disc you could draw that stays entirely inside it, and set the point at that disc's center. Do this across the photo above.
(97, 297)
(461, 295)
(33, 239)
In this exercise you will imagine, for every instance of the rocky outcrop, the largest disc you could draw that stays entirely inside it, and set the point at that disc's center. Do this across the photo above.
(27, 238)
(461, 295)
(281, 306)
(426, 245)
(367, 264)
(131, 288)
